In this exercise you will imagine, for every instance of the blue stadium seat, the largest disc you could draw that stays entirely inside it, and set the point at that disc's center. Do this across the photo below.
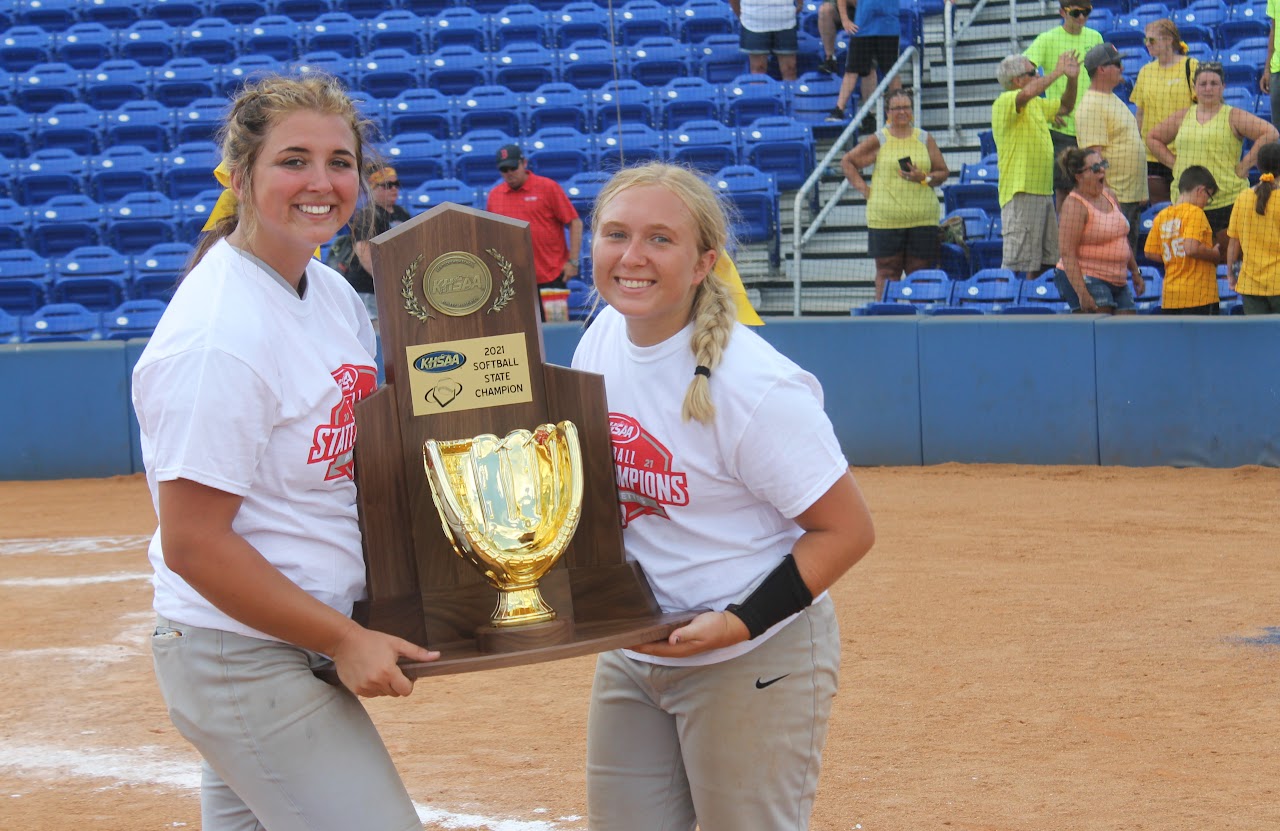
(1206, 13)
(421, 111)
(490, 107)
(274, 34)
(176, 12)
(749, 97)
(199, 120)
(243, 69)
(980, 172)
(812, 97)
(989, 289)
(10, 327)
(95, 276)
(637, 20)
(438, 191)
(418, 157)
(629, 143)
(50, 15)
(519, 23)
(1241, 61)
(132, 319)
(881, 309)
(1125, 37)
(17, 128)
(705, 145)
(1140, 15)
(371, 108)
(475, 156)
(45, 85)
(560, 153)
(240, 12)
(756, 213)
(459, 26)
(365, 9)
(386, 73)
(954, 260)
(699, 19)
(145, 123)
(589, 64)
(625, 101)
(85, 45)
(65, 223)
(523, 67)
(687, 99)
(1149, 300)
(114, 14)
(77, 127)
(655, 61)
(986, 253)
(397, 29)
(14, 219)
(974, 195)
(330, 63)
(113, 83)
(977, 222)
(782, 146)
(188, 168)
(582, 191)
(301, 10)
(1041, 291)
(455, 69)
(137, 221)
(575, 21)
(559, 105)
(1239, 28)
(924, 289)
(1146, 220)
(56, 322)
(22, 47)
(149, 42)
(120, 170)
(24, 280)
(156, 270)
(45, 174)
(334, 32)
(212, 38)
(183, 80)
(193, 213)
(719, 60)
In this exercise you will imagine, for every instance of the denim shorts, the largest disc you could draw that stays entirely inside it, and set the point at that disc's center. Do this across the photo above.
(783, 42)
(1104, 294)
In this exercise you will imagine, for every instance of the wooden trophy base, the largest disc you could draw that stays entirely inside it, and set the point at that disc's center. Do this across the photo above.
(492, 639)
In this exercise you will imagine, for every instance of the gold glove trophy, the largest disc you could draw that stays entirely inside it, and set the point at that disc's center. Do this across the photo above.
(485, 477)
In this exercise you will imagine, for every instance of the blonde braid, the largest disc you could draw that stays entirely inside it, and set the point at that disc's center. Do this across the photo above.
(714, 315)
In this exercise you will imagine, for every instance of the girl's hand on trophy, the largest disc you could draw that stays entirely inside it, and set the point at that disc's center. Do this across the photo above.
(707, 631)
(367, 662)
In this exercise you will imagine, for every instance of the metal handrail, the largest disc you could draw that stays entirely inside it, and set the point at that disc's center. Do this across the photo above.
(910, 54)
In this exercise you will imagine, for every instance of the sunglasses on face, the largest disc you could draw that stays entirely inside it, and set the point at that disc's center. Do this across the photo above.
(1030, 73)
(1151, 41)
(1098, 167)
(1079, 13)
(394, 183)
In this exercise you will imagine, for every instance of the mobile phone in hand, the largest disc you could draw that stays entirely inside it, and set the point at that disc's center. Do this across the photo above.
(904, 164)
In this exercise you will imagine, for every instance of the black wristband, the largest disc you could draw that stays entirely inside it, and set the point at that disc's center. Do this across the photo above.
(778, 597)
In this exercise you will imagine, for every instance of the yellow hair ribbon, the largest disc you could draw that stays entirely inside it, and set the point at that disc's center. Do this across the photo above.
(1182, 44)
(226, 204)
(728, 274)
(1267, 177)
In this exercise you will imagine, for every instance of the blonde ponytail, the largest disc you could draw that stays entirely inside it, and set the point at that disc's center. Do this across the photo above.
(714, 315)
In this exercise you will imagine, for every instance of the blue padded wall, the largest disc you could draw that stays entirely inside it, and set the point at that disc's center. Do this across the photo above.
(66, 412)
(132, 352)
(1016, 390)
(1183, 392)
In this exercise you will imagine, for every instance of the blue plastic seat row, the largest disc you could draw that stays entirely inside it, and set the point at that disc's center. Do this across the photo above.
(123, 170)
(63, 322)
(97, 277)
(131, 224)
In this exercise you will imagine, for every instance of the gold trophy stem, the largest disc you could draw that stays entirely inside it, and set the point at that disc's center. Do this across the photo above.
(520, 606)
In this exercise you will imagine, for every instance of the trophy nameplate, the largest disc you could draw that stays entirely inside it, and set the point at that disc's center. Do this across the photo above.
(462, 346)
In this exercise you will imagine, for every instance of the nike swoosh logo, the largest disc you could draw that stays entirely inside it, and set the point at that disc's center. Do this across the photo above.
(760, 685)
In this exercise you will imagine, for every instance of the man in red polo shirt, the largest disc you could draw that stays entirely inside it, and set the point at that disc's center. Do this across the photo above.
(542, 203)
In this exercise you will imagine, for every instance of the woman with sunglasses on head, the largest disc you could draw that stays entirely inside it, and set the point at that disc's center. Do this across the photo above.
(902, 216)
(1211, 133)
(1255, 239)
(1093, 237)
(1164, 86)
(381, 214)
(245, 397)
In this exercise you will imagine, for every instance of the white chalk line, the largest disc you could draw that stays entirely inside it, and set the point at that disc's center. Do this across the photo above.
(63, 582)
(131, 642)
(73, 546)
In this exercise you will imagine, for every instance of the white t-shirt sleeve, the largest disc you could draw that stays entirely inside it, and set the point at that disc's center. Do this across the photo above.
(210, 416)
(788, 455)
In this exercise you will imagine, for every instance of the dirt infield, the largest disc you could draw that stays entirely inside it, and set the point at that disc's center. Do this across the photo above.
(1025, 648)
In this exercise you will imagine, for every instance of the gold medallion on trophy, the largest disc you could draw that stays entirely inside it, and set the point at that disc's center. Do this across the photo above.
(457, 283)
(510, 507)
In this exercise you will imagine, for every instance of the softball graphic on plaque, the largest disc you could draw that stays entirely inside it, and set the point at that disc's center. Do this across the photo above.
(485, 476)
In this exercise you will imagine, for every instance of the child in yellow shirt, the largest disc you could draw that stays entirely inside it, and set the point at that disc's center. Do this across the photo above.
(1182, 239)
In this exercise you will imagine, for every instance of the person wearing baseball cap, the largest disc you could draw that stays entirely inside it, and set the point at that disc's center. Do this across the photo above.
(523, 194)
(1103, 121)
(1072, 36)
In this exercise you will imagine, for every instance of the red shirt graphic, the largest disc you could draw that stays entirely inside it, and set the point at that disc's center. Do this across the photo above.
(642, 466)
(335, 442)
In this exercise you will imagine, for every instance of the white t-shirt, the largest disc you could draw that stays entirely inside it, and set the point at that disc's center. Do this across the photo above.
(248, 388)
(768, 15)
(708, 511)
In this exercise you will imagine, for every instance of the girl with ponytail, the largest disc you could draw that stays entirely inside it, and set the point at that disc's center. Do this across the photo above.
(736, 499)
(1254, 239)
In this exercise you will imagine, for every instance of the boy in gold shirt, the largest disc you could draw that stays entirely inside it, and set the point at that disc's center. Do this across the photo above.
(1181, 238)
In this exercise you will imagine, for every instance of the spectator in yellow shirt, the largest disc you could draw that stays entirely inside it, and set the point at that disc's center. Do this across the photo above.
(1181, 238)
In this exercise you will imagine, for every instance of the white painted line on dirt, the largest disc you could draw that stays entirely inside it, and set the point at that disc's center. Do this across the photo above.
(60, 582)
(73, 546)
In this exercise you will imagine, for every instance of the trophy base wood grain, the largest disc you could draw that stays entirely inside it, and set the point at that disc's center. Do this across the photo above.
(588, 639)
(492, 639)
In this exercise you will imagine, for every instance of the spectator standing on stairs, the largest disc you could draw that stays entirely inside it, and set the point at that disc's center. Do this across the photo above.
(876, 30)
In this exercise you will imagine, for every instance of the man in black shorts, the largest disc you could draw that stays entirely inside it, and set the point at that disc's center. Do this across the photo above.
(876, 31)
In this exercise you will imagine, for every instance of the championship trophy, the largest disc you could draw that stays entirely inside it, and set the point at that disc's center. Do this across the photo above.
(486, 489)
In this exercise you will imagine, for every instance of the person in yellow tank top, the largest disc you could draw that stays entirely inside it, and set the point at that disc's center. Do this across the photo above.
(1211, 133)
(902, 208)
(1163, 87)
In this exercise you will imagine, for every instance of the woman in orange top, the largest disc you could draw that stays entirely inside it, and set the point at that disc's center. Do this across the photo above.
(1093, 238)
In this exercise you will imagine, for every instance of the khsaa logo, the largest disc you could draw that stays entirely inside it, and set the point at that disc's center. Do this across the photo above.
(442, 361)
